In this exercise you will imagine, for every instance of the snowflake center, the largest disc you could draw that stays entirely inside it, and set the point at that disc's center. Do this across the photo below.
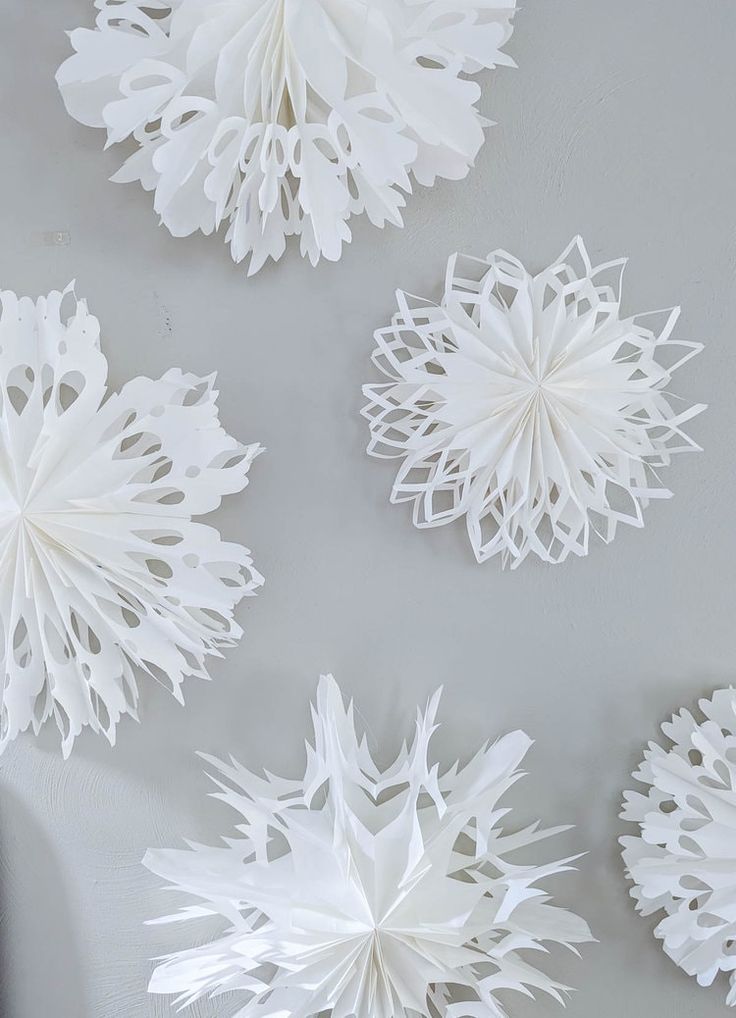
(25, 514)
(538, 385)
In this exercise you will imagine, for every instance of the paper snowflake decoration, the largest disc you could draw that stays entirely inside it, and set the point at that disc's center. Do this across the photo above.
(366, 893)
(683, 861)
(286, 117)
(102, 571)
(528, 405)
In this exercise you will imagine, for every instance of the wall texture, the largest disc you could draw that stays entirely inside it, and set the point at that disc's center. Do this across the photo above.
(618, 124)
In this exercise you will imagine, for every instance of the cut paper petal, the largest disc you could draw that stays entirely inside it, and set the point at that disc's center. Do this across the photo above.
(360, 892)
(528, 405)
(103, 573)
(682, 861)
(286, 117)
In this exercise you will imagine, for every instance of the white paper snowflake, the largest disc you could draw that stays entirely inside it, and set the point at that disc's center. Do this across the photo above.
(286, 117)
(102, 570)
(360, 892)
(528, 405)
(683, 861)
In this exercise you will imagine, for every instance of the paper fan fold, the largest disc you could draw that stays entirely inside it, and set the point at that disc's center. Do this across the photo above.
(286, 117)
(357, 891)
(104, 575)
(682, 860)
(528, 405)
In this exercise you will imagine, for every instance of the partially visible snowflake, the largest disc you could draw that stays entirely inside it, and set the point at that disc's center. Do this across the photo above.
(528, 405)
(368, 893)
(683, 861)
(102, 570)
(286, 117)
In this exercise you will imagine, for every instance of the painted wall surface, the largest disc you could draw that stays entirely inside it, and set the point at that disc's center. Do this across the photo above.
(619, 124)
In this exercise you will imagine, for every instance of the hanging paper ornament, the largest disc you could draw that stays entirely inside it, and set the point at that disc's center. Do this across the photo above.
(286, 117)
(683, 860)
(102, 571)
(528, 405)
(369, 893)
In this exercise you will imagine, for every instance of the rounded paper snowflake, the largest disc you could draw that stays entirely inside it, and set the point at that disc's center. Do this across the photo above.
(102, 571)
(286, 117)
(373, 894)
(683, 861)
(528, 405)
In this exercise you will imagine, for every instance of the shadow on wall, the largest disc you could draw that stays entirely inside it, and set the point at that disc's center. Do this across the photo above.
(40, 971)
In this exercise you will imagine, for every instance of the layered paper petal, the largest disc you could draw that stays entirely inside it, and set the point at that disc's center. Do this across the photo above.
(360, 892)
(286, 117)
(103, 573)
(528, 405)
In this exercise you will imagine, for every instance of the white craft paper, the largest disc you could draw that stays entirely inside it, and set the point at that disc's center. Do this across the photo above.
(367, 893)
(683, 859)
(528, 405)
(286, 117)
(103, 574)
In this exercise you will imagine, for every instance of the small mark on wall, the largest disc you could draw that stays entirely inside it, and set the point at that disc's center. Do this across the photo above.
(166, 326)
(56, 238)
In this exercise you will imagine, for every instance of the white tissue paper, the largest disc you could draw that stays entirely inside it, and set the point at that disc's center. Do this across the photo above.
(286, 117)
(683, 858)
(103, 573)
(528, 405)
(359, 892)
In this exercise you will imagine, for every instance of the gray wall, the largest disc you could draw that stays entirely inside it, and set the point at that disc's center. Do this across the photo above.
(619, 124)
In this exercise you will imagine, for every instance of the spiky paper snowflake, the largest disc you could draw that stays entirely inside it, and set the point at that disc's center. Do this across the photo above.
(683, 861)
(286, 117)
(102, 570)
(528, 405)
(360, 892)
